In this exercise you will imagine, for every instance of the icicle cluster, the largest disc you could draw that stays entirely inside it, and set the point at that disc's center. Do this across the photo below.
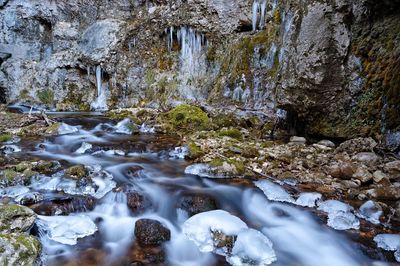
(259, 11)
(192, 46)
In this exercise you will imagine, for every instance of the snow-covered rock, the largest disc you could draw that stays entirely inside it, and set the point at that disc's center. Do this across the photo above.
(202, 170)
(179, 152)
(83, 148)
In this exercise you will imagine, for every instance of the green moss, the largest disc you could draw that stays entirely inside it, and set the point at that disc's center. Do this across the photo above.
(5, 137)
(46, 96)
(22, 166)
(232, 133)
(150, 77)
(9, 175)
(76, 172)
(224, 120)
(195, 151)
(188, 117)
(53, 128)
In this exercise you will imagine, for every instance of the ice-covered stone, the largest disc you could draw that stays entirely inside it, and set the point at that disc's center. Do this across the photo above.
(273, 191)
(65, 129)
(66, 229)
(9, 149)
(13, 192)
(201, 227)
(389, 242)
(371, 211)
(179, 153)
(202, 170)
(147, 129)
(84, 147)
(340, 215)
(124, 127)
(252, 248)
(308, 199)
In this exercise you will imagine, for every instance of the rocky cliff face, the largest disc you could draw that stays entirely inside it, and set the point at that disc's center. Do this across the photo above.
(329, 65)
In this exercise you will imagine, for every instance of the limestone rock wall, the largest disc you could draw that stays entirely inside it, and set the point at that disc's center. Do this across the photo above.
(329, 64)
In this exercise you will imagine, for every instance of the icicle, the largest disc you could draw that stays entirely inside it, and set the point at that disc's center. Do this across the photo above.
(255, 14)
(88, 72)
(259, 8)
(99, 79)
(263, 9)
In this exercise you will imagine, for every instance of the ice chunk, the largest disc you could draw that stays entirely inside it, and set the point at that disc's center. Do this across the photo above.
(104, 183)
(13, 140)
(84, 147)
(9, 149)
(252, 248)
(124, 127)
(397, 255)
(202, 170)
(179, 153)
(146, 129)
(67, 129)
(200, 228)
(308, 199)
(67, 229)
(371, 211)
(389, 242)
(273, 191)
(13, 192)
(340, 216)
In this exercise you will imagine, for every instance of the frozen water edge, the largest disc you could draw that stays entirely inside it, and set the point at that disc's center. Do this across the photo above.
(66, 229)
(274, 192)
(389, 242)
(371, 212)
(340, 215)
(308, 199)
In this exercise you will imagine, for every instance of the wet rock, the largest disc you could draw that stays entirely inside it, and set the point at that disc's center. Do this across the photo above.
(45, 167)
(363, 174)
(342, 170)
(137, 202)
(18, 249)
(195, 204)
(368, 158)
(357, 145)
(298, 140)
(327, 143)
(393, 169)
(15, 218)
(21, 167)
(151, 232)
(76, 172)
(64, 205)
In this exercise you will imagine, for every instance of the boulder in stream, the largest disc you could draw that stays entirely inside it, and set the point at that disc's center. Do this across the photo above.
(151, 232)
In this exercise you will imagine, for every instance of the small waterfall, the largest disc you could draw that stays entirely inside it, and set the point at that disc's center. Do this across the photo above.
(287, 20)
(192, 54)
(259, 11)
(100, 104)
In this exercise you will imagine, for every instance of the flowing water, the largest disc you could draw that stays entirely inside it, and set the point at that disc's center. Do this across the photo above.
(148, 163)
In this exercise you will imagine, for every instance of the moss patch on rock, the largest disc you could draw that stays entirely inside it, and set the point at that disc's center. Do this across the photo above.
(46, 96)
(232, 133)
(188, 117)
(5, 137)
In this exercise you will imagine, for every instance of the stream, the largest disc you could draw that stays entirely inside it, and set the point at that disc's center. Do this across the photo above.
(100, 228)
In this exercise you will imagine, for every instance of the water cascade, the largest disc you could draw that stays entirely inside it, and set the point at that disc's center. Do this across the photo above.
(259, 11)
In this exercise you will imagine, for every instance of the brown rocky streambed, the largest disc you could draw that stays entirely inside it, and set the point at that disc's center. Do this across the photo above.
(88, 190)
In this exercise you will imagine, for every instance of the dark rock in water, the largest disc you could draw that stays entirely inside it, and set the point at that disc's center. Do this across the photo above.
(151, 232)
(31, 198)
(149, 255)
(76, 172)
(15, 218)
(133, 172)
(65, 205)
(137, 202)
(195, 204)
